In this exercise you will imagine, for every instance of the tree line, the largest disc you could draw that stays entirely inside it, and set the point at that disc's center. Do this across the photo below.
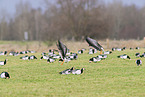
(74, 20)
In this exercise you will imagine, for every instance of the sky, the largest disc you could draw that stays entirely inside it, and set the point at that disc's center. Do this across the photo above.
(138, 3)
(8, 6)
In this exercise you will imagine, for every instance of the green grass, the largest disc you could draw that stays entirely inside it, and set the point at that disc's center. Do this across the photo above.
(111, 77)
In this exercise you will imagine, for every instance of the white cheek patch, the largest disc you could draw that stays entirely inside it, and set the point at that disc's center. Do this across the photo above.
(3, 75)
(1, 63)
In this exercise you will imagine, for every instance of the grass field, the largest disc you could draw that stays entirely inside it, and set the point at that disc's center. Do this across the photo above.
(111, 77)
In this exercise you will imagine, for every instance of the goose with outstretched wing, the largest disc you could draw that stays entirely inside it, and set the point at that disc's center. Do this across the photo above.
(94, 44)
(62, 50)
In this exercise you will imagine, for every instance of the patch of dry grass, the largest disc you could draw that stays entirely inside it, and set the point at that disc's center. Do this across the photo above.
(72, 45)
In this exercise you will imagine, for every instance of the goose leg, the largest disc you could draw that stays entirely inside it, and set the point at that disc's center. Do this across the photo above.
(101, 52)
(62, 62)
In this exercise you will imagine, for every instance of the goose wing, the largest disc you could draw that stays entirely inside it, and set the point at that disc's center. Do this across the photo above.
(94, 43)
(62, 48)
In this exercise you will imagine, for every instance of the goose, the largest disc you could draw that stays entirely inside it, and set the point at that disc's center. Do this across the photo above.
(68, 52)
(137, 54)
(65, 60)
(32, 51)
(124, 48)
(94, 44)
(3, 62)
(23, 52)
(32, 57)
(44, 57)
(11, 53)
(138, 62)
(78, 71)
(24, 57)
(56, 56)
(51, 52)
(83, 49)
(131, 48)
(119, 49)
(94, 59)
(80, 51)
(73, 56)
(92, 51)
(107, 52)
(143, 55)
(62, 50)
(124, 56)
(5, 75)
(55, 50)
(43, 53)
(3, 53)
(113, 49)
(103, 56)
(67, 71)
(137, 48)
(14, 53)
(50, 60)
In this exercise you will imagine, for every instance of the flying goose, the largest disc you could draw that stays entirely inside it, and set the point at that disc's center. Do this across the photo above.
(94, 44)
(62, 50)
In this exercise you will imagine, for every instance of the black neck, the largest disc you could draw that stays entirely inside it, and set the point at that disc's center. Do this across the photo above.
(82, 70)
(5, 61)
